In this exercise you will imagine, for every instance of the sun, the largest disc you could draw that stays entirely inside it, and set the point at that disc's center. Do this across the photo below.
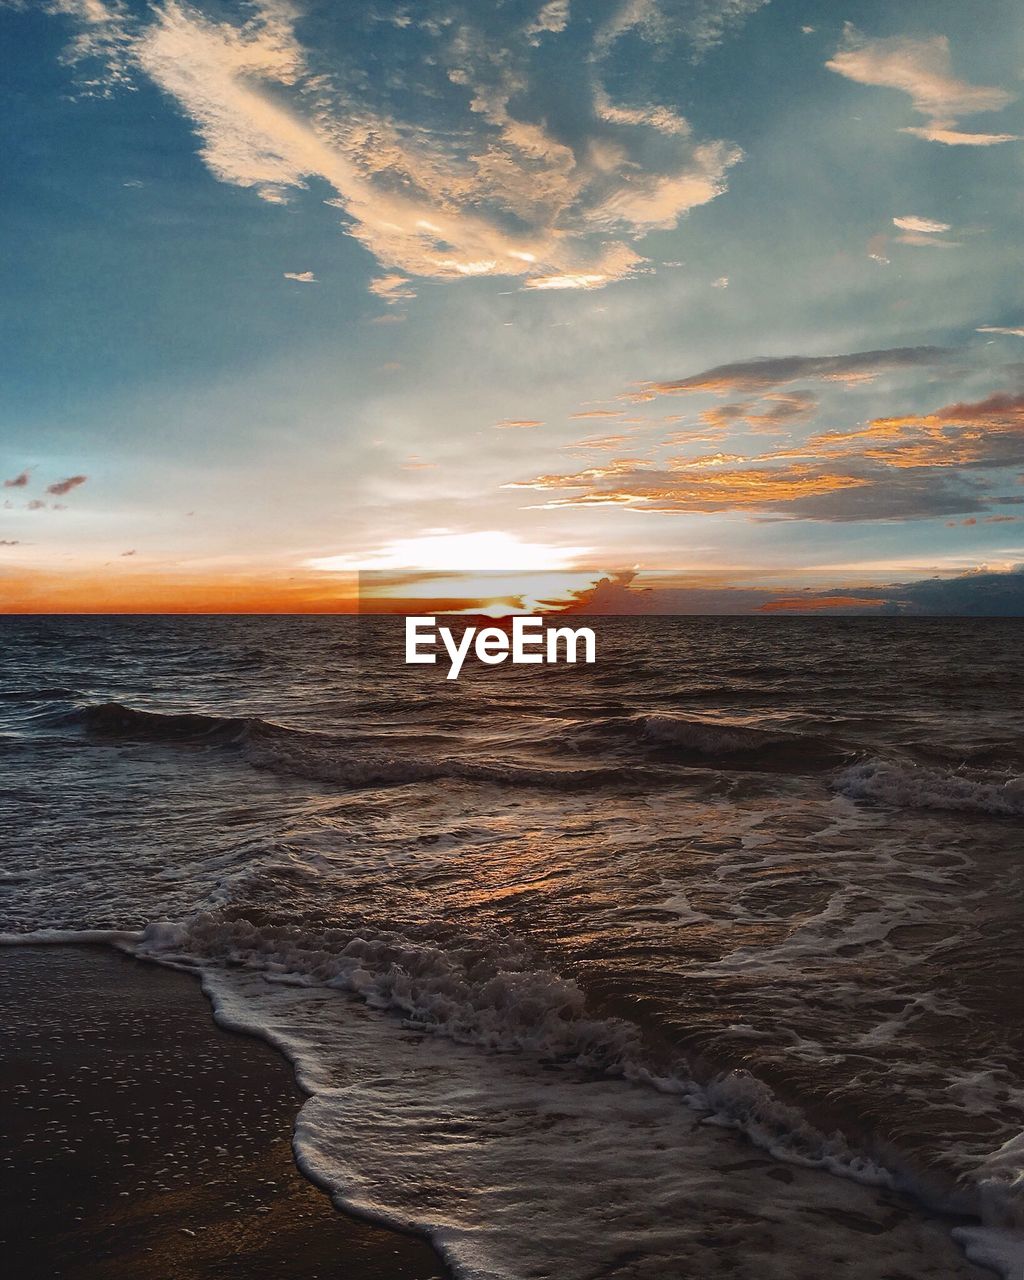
(490, 551)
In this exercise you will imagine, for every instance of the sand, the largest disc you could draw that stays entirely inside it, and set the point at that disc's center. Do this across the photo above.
(139, 1139)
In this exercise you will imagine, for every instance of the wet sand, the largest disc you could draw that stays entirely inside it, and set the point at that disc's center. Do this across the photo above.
(138, 1138)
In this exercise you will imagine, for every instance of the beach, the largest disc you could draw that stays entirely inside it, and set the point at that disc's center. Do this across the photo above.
(145, 1140)
(689, 962)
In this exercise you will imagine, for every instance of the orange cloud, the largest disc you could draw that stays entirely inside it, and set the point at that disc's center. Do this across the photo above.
(685, 485)
(818, 604)
(896, 467)
(989, 432)
(598, 442)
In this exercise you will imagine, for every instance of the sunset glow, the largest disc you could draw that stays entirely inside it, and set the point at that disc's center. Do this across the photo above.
(317, 320)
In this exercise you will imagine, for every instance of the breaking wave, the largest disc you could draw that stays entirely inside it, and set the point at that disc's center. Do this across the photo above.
(499, 996)
(911, 786)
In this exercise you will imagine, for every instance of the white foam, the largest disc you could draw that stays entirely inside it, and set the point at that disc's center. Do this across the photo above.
(994, 1247)
(495, 996)
(483, 1151)
(493, 1157)
(912, 786)
(71, 937)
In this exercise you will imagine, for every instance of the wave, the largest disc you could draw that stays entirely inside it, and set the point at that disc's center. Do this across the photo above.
(712, 743)
(497, 995)
(332, 758)
(113, 719)
(710, 737)
(663, 738)
(910, 786)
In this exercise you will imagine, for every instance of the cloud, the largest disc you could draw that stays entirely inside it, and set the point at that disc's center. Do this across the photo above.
(922, 69)
(676, 486)
(778, 410)
(818, 604)
(551, 18)
(892, 468)
(37, 504)
(926, 226)
(1008, 332)
(393, 288)
(128, 553)
(958, 138)
(766, 373)
(518, 424)
(9, 542)
(61, 487)
(988, 433)
(598, 413)
(301, 277)
(978, 593)
(477, 182)
(924, 240)
(19, 481)
(703, 22)
(101, 41)
(598, 442)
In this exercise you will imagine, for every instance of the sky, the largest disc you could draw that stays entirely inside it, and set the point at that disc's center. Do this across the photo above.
(722, 292)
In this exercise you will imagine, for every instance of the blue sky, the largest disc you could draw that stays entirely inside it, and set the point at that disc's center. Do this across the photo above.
(280, 277)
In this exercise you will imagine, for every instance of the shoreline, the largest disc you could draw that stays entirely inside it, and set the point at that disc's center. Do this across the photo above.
(140, 1137)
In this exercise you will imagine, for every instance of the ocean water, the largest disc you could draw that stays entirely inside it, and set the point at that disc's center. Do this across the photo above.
(703, 961)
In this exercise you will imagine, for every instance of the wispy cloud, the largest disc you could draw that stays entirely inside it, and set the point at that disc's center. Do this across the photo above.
(768, 372)
(704, 22)
(19, 481)
(901, 467)
(922, 68)
(481, 186)
(518, 424)
(773, 412)
(1008, 331)
(926, 226)
(301, 277)
(393, 288)
(552, 17)
(598, 442)
(61, 487)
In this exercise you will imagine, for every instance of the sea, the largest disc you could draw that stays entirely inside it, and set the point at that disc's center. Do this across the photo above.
(703, 961)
